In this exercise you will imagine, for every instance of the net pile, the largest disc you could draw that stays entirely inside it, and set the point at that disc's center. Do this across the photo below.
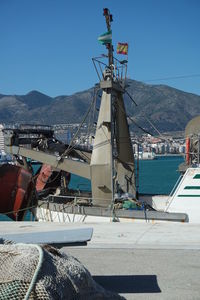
(41, 273)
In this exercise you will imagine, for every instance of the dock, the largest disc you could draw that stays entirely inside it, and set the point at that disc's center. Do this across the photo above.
(138, 260)
(144, 260)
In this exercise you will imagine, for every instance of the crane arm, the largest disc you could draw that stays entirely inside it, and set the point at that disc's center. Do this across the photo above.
(66, 164)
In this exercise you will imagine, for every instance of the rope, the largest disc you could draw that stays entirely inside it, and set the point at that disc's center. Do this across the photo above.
(92, 115)
(70, 147)
(154, 127)
(165, 139)
(34, 278)
(128, 117)
(172, 77)
(22, 209)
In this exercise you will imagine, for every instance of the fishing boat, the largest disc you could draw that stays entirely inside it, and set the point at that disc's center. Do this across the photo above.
(110, 164)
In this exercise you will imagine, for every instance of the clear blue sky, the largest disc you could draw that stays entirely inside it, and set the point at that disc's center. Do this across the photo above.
(47, 45)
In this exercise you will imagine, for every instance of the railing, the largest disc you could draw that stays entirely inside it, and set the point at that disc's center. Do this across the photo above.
(118, 72)
(170, 198)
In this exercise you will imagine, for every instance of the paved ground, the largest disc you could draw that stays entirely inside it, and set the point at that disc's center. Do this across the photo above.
(145, 261)
(138, 260)
(143, 273)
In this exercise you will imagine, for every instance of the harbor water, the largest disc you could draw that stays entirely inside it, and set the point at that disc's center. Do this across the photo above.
(156, 176)
(159, 176)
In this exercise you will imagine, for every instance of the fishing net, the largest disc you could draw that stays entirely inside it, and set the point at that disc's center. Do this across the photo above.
(41, 273)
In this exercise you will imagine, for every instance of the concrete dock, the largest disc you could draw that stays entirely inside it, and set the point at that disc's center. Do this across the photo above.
(143, 260)
(137, 260)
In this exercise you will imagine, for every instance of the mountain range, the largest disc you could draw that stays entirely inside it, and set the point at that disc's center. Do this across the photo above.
(167, 108)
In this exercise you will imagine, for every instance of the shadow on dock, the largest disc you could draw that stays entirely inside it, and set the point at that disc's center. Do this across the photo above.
(129, 283)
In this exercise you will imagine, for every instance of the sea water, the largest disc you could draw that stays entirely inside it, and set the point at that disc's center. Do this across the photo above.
(159, 176)
(156, 176)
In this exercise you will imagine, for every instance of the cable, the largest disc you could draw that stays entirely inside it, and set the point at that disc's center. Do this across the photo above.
(154, 127)
(92, 114)
(165, 139)
(171, 78)
(70, 146)
(128, 117)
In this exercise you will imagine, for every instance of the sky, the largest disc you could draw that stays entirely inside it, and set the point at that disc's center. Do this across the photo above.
(48, 45)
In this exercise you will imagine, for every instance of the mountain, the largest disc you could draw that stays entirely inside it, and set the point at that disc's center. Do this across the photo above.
(167, 108)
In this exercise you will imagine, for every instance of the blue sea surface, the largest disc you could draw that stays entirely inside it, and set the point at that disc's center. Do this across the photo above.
(159, 176)
(79, 183)
(156, 176)
(4, 218)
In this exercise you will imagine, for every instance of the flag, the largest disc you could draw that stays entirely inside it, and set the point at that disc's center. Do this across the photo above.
(122, 48)
(105, 38)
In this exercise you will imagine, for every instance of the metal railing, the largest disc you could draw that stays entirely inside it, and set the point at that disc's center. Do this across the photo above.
(119, 68)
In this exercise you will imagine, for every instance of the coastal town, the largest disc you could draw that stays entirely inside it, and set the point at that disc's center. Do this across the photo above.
(146, 145)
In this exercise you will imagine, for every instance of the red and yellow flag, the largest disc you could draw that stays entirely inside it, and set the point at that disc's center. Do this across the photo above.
(122, 48)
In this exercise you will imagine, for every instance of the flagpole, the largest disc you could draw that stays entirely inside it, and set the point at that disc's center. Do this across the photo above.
(109, 46)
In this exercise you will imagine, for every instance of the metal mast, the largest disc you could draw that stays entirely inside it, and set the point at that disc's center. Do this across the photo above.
(109, 45)
(112, 160)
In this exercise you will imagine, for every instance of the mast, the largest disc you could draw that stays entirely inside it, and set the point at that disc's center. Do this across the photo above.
(112, 160)
(109, 45)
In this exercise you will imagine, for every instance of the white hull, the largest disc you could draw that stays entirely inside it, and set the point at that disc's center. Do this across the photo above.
(185, 199)
(47, 215)
(44, 215)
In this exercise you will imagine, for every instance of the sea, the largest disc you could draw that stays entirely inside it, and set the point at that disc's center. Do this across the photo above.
(157, 176)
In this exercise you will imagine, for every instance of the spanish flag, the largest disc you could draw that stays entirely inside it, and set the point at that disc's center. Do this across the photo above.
(122, 48)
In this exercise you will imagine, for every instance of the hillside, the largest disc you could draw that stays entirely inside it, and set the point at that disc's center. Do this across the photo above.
(168, 108)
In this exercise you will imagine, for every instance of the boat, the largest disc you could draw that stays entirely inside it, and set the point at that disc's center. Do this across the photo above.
(145, 155)
(109, 164)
